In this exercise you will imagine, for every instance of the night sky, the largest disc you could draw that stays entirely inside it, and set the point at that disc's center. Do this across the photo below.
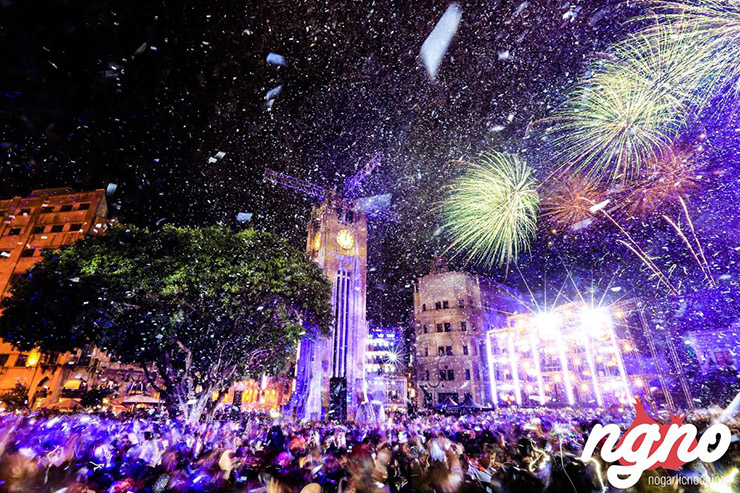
(146, 94)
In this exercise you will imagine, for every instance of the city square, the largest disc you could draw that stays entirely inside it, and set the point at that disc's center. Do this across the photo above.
(305, 247)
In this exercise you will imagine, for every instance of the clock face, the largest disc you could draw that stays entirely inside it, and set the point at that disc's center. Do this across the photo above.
(316, 244)
(345, 239)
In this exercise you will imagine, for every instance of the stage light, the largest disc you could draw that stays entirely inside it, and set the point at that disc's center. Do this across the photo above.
(547, 323)
(595, 318)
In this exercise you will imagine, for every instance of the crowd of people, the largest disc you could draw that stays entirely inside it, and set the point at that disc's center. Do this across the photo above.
(508, 450)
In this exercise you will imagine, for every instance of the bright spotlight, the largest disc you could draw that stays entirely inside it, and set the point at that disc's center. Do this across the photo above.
(547, 321)
(595, 318)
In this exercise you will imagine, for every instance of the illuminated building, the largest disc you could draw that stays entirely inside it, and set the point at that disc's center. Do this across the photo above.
(385, 368)
(452, 313)
(49, 219)
(330, 371)
(572, 355)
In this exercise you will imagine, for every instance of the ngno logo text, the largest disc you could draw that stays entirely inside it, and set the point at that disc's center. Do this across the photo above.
(648, 445)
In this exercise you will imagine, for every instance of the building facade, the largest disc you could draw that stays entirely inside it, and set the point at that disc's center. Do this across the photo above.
(572, 355)
(49, 219)
(452, 313)
(330, 371)
(385, 368)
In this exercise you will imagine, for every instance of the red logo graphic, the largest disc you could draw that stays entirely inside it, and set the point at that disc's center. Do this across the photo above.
(642, 418)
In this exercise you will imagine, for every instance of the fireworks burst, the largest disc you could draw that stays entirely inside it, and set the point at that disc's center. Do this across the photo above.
(615, 124)
(491, 211)
(569, 198)
(672, 178)
(713, 27)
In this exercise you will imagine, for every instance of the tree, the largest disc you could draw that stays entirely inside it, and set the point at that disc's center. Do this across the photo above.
(196, 308)
(15, 398)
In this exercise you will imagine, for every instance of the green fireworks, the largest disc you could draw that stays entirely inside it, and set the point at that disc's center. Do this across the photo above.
(640, 96)
(712, 29)
(491, 211)
(614, 125)
(631, 108)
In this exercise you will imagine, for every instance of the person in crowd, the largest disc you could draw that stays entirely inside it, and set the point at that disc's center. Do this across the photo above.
(507, 450)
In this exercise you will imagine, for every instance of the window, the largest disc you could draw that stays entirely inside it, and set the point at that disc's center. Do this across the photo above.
(21, 361)
(724, 359)
(83, 207)
(439, 327)
(76, 227)
(426, 375)
(467, 374)
(465, 350)
(461, 303)
(57, 228)
(438, 305)
(426, 351)
(443, 375)
(445, 305)
(424, 307)
(441, 351)
(37, 230)
(474, 327)
(4, 359)
(449, 350)
(25, 212)
(463, 326)
(450, 375)
(426, 329)
(14, 231)
(27, 252)
(448, 327)
(65, 208)
(47, 209)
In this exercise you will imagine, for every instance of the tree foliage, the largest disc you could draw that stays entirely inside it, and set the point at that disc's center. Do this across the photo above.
(15, 398)
(196, 308)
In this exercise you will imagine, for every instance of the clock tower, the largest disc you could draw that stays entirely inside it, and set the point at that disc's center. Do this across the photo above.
(331, 369)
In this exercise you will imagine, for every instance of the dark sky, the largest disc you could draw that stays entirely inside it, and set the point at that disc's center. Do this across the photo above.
(143, 93)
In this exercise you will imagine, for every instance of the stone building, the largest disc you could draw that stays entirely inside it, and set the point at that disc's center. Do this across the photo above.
(452, 312)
